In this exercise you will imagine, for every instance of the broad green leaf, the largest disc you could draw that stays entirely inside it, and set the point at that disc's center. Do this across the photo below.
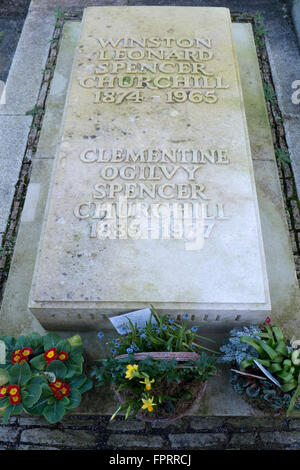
(38, 362)
(281, 348)
(20, 373)
(55, 412)
(270, 351)
(278, 333)
(86, 386)
(50, 340)
(75, 399)
(38, 407)
(58, 369)
(77, 381)
(33, 393)
(63, 345)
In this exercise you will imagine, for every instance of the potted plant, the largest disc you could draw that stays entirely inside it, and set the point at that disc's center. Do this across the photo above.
(265, 367)
(155, 371)
(41, 375)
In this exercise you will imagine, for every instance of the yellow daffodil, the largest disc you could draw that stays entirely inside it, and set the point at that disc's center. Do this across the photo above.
(147, 382)
(148, 404)
(132, 371)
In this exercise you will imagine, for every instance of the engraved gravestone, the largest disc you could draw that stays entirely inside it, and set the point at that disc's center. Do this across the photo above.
(153, 198)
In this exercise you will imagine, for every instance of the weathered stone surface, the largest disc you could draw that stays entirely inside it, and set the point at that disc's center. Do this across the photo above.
(66, 438)
(197, 441)
(118, 441)
(8, 434)
(23, 82)
(13, 136)
(144, 136)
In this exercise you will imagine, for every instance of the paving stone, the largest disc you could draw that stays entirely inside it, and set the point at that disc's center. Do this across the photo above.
(33, 447)
(296, 214)
(205, 424)
(243, 440)
(23, 82)
(197, 441)
(289, 188)
(126, 425)
(8, 434)
(180, 424)
(281, 438)
(132, 441)
(13, 137)
(247, 424)
(66, 438)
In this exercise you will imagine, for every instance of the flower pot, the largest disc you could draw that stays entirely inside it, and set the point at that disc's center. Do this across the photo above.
(196, 388)
(261, 394)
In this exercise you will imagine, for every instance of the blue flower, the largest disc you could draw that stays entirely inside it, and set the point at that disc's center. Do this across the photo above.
(194, 329)
(143, 335)
(164, 327)
(129, 351)
(148, 344)
(100, 334)
(134, 347)
(174, 328)
(185, 317)
(114, 352)
(158, 330)
(125, 329)
(171, 320)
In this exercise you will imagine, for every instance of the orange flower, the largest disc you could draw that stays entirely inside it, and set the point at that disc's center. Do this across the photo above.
(50, 355)
(60, 389)
(62, 356)
(15, 399)
(56, 385)
(25, 352)
(13, 390)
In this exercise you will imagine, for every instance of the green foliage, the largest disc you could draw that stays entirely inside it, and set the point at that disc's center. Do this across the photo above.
(47, 373)
(234, 351)
(165, 335)
(270, 94)
(259, 30)
(33, 111)
(277, 355)
(282, 155)
(113, 371)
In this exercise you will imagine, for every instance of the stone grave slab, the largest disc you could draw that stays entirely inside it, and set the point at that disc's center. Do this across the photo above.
(153, 198)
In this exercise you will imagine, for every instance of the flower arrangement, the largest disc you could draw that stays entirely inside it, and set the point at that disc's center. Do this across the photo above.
(42, 375)
(155, 371)
(269, 374)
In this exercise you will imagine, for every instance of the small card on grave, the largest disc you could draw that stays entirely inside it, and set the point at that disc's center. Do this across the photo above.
(138, 318)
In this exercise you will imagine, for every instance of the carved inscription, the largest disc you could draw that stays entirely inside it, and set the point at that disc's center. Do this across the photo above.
(133, 69)
(129, 176)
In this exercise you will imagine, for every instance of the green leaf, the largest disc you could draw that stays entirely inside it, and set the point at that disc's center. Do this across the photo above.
(252, 342)
(75, 399)
(88, 384)
(289, 386)
(55, 412)
(270, 351)
(278, 333)
(293, 400)
(50, 340)
(38, 362)
(77, 381)
(20, 373)
(33, 393)
(58, 369)
(275, 368)
(281, 348)
(63, 345)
